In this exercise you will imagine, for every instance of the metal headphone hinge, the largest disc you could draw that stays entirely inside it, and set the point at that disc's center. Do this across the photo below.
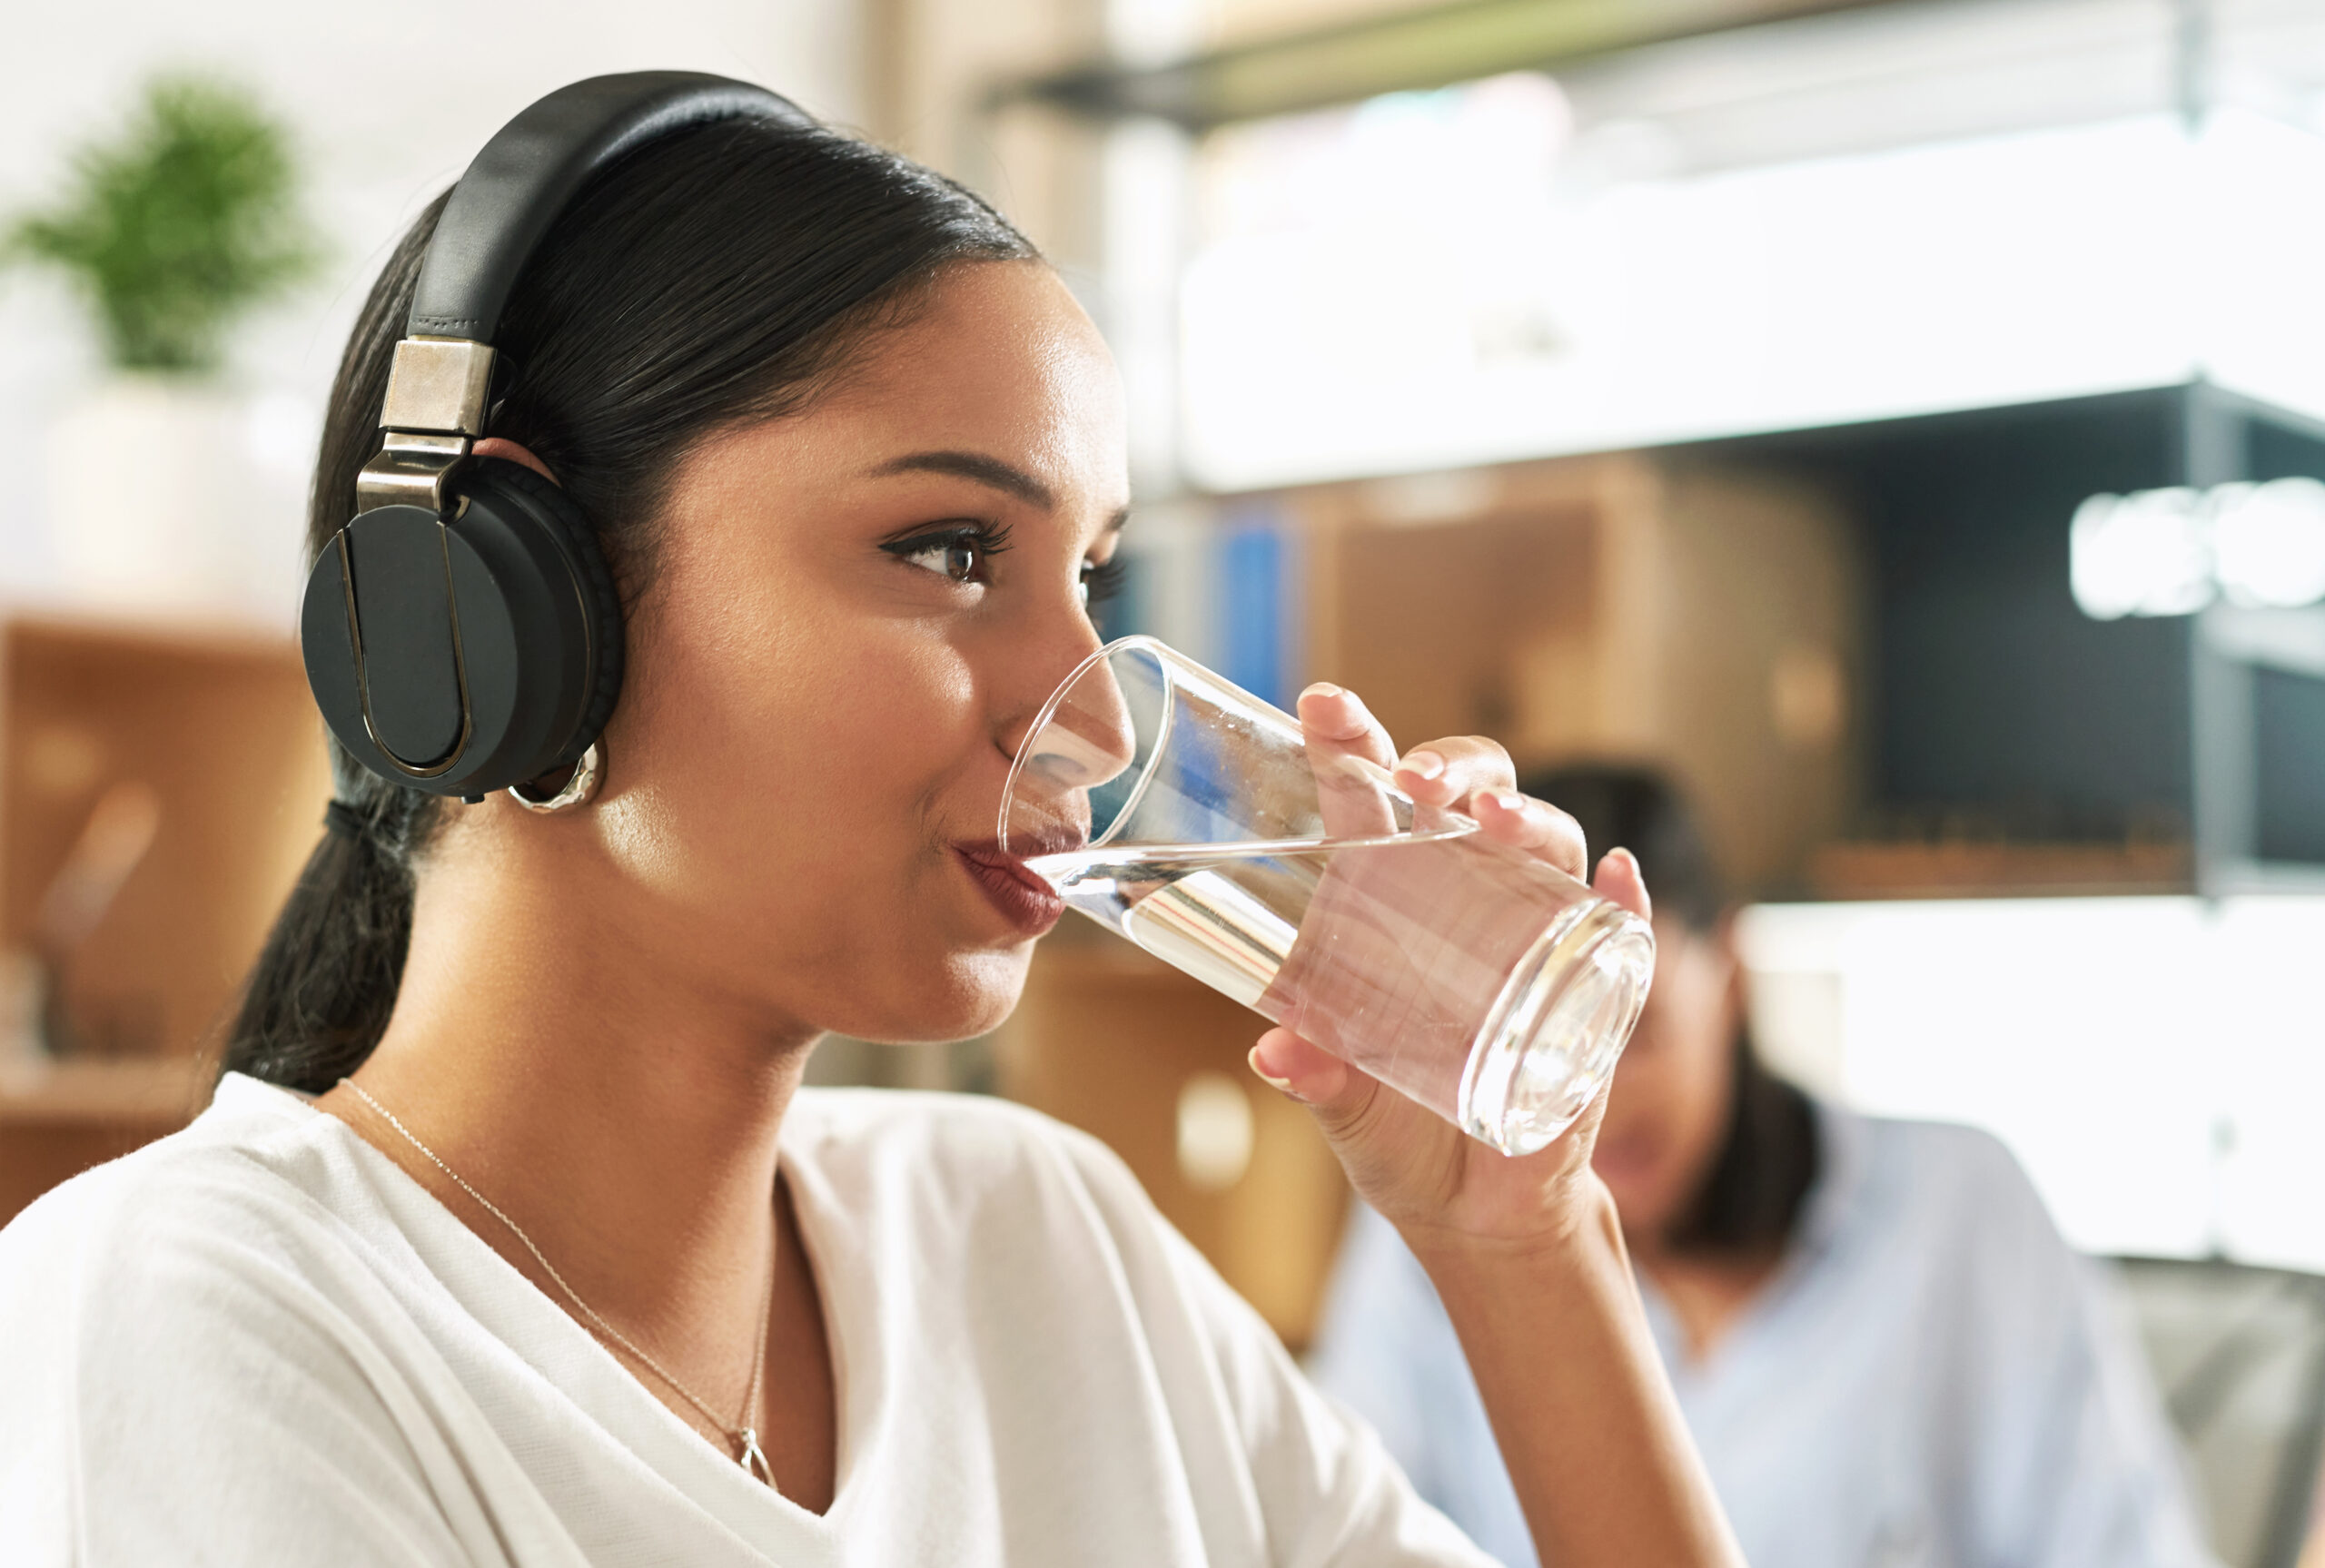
(434, 408)
(410, 470)
(438, 384)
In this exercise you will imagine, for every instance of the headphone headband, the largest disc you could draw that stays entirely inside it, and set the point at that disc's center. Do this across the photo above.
(530, 169)
(505, 201)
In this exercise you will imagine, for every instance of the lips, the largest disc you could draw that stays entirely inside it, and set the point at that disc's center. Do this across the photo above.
(1024, 898)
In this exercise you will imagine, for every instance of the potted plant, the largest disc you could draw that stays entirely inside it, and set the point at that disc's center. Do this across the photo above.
(171, 231)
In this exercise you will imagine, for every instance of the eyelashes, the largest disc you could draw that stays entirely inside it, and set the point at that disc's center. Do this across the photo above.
(1103, 581)
(962, 552)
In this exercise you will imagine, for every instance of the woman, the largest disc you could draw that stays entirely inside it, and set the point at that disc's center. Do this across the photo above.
(1884, 1348)
(511, 1237)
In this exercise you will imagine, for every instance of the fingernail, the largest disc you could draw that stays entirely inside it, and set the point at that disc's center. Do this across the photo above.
(1322, 689)
(1630, 860)
(1424, 764)
(1509, 799)
(1281, 1085)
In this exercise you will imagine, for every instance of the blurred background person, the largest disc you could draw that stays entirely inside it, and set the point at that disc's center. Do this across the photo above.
(1881, 1343)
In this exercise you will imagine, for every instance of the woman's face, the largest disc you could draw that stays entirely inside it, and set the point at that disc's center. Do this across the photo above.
(1668, 1110)
(855, 614)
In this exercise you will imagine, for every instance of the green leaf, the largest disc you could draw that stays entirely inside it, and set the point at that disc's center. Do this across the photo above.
(187, 220)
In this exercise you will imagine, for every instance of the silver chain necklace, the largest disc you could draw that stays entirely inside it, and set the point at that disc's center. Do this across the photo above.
(743, 1435)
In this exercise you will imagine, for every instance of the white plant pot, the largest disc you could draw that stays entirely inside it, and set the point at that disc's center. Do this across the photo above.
(158, 500)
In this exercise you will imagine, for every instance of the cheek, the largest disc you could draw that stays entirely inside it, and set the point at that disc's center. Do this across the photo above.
(783, 749)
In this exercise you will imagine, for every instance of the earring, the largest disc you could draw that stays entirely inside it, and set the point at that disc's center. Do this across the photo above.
(579, 789)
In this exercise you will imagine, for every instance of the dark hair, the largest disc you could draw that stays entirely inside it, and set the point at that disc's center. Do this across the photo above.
(718, 275)
(1752, 1193)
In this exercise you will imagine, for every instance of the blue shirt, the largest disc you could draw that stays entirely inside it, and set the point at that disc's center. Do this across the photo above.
(1931, 1378)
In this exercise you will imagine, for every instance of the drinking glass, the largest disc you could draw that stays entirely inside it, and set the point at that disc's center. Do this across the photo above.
(1193, 818)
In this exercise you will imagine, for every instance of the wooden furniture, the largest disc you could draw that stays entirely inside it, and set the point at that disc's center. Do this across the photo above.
(1698, 616)
(1967, 869)
(220, 725)
(213, 732)
(58, 1118)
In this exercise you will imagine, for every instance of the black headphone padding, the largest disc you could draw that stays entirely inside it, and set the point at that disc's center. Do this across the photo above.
(558, 512)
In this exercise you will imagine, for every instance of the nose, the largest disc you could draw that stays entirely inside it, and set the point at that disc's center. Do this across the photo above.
(1081, 747)
(1041, 662)
(1064, 750)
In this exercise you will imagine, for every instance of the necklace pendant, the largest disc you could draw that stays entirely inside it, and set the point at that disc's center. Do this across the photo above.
(752, 1458)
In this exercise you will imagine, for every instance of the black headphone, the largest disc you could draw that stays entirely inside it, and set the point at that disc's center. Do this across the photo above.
(461, 632)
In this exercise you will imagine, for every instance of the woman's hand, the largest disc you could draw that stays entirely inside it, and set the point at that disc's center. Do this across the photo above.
(1438, 1186)
(1526, 1254)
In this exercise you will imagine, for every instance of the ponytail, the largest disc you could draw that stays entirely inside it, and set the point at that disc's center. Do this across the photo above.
(319, 997)
(321, 993)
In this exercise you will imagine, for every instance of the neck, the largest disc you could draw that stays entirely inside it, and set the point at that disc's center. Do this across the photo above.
(594, 1088)
(1707, 1290)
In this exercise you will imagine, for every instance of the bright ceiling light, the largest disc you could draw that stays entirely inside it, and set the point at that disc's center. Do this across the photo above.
(2267, 543)
(2171, 552)
(2140, 554)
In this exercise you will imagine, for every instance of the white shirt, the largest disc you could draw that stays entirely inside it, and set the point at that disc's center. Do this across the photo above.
(261, 1342)
(1931, 1378)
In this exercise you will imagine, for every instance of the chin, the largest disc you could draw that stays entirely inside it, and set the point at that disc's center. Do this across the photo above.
(967, 995)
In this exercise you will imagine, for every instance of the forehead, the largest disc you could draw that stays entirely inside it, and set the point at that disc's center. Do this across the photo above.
(999, 359)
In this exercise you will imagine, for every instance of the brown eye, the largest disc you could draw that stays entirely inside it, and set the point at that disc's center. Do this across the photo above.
(964, 553)
(957, 558)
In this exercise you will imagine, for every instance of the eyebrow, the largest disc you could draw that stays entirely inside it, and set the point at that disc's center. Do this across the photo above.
(991, 472)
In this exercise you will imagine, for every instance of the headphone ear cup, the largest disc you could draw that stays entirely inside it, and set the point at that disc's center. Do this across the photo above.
(492, 646)
(559, 515)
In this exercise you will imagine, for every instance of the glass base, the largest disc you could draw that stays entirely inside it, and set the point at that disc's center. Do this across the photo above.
(1551, 1038)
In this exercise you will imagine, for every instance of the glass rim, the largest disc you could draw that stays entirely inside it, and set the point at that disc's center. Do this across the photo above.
(1456, 823)
(1043, 720)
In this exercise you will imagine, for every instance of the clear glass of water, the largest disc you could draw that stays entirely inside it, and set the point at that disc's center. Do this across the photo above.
(1191, 817)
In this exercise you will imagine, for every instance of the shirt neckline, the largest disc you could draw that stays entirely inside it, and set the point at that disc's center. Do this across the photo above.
(681, 1452)
(1826, 1212)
